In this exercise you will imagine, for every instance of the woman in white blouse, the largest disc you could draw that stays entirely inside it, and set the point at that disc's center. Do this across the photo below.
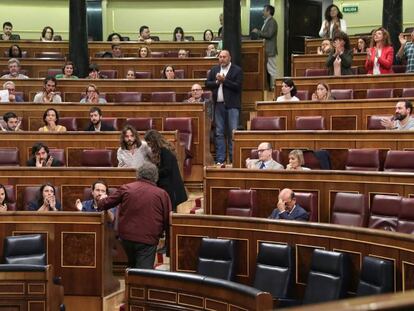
(288, 91)
(333, 22)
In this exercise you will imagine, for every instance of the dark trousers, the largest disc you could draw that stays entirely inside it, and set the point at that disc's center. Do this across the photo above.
(140, 255)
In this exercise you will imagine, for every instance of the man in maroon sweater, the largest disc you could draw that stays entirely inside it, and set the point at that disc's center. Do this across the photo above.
(143, 215)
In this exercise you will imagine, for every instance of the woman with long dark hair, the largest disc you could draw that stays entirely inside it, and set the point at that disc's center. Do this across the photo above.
(333, 22)
(339, 60)
(4, 200)
(46, 200)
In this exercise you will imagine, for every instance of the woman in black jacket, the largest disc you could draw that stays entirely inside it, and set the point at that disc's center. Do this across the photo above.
(340, 58)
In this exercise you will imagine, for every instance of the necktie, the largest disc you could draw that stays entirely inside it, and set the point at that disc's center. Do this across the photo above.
(262, 166)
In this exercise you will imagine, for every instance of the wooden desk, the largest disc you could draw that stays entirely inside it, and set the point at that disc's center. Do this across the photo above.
(188, 230)
(78, 247)
(359, 83)
(325, 184)
(302, 62)
(338, 114)
(336, 142)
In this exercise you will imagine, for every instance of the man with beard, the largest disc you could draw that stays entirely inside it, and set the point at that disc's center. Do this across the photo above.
(133, 152)
(402, 119)
(12, 122)
(41, 157)
(48, 95)
(96, 124)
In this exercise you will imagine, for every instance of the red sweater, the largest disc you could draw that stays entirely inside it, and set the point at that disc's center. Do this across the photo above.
(144, 211)
(385, 60)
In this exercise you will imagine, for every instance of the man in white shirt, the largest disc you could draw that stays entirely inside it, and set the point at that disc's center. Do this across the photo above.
(402, 119)
(133, 151)
(48, 95)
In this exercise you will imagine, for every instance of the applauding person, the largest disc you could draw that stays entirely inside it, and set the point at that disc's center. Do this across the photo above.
(41, 158)
(340, 58)
(46, 200)
(380, 55)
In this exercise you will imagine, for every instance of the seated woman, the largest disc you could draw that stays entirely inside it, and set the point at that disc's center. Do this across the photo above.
(208, 35)
(168, 73)
(340, 58)
(46, 200)
(4, 200)
(178, 34)
(144, 52)
(114, 37)
(296, 161)
(67, 71)
(92, 95)
(47, 34)
(15, 51)
(323, 92)
(325, 48)
(362, 45)
(288, 91)
(380, 56)
(130, 74)
(51, 119)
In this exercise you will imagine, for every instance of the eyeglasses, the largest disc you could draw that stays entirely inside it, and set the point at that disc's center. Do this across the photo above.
(196, 90)
(261, 150)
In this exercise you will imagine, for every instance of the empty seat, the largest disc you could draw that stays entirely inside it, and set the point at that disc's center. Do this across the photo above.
(24, 249)
(314, 72)
(377, 277)
(179, 73)
(302, 94)
(9, 157)
(143, 74)
(328, 277)
(374, 122)
(140, 124)
(343, 94)
(111, 122)
(53, 55)
(380, 93)
(157, 54)
(309, 201)
(69, 122)
(122, 97)
(96, 157)
(163, 97)
(53, 72)
(185, 134)
(275, 270)
(384, 212)
(350, 209)
(267, 123)
(407, 92)
(58, 154)
(217, 258)
(405, 223)
(109, 73)
(310, 123)
(398, 68)
(241, 202)
(399, 161)
(362, 160)
(254, 154)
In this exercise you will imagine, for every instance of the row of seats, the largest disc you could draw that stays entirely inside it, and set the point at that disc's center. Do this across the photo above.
(318, 72)
(328, 279)
(340, 94)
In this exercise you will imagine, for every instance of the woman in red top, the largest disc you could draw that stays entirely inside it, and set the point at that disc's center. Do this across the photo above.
(380, 55)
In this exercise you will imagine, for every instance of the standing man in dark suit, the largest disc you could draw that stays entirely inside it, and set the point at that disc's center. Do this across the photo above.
(287, 207)
(225, 81)
(96, 124)
(269, 33)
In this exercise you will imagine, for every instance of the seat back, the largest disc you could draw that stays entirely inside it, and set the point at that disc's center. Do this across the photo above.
(399, 161)
(399, 68)
(374, 122)
(380, 93)
(309, 201)
(54, 55)
(109, 73)
(241, 202)
(122, 97)
(69, 122)
(310, 123)
(275, 269)
(362, 160)
(328, 277)
(302, 94)
(140, 124)
(111, 121)
(407, 92)
(267, 123)
(11, 195)
(254, 154)
(143, 74)
(405, 222)
(343, 93)
(384, 212)
(97, 158)
(350, 209)
(30, 195)
(179, 73)
(54, 71)
(316, 72)
(217, 258)
(24, 249)
(9, 157)
(163, 97)
(58, 154)
(377, 277)
(157, 54)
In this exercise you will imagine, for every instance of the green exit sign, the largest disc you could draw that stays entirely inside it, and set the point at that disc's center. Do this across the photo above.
(350, 9)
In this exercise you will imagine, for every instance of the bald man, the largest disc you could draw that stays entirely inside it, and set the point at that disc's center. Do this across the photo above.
(265, 161)
(286, 207)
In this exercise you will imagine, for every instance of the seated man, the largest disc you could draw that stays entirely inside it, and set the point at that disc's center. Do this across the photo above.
(49, 94)
(287, 208)
(182, 53)
(94, 72)
(402, 119)
(96, 124)
(12, 122)
(14, 70)
(7, 32)
(10, 96)
(265, 161)
(197, 96)
(99, 188)
(41, 158)
(115, 52)
(211, 51)
(144, 34)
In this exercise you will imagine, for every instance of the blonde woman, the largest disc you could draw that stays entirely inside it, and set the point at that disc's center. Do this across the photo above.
(296, 161)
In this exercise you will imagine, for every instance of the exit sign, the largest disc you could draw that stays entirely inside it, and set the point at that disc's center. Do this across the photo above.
(350, 9)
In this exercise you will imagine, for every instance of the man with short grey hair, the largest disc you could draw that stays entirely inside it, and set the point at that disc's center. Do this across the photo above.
(14, 70)
(143, 215)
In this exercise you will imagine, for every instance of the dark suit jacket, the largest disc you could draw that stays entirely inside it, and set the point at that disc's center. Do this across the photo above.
(298, 213)
(13, 37)
(346, 62)
(232, 85)
(104, 127)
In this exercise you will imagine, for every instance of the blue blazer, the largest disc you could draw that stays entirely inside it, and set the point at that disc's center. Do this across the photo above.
(298, 213)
